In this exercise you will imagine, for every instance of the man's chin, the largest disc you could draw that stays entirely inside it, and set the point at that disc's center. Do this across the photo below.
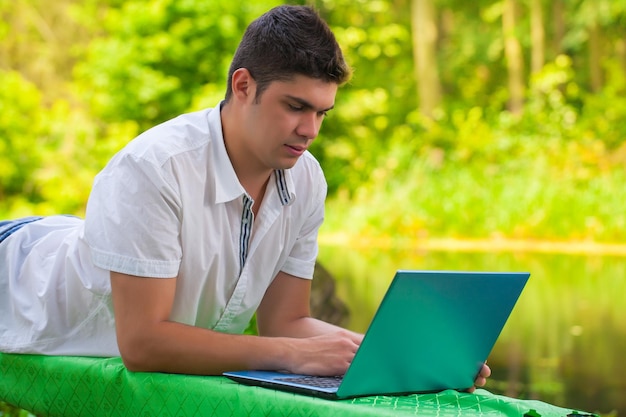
(286, 163)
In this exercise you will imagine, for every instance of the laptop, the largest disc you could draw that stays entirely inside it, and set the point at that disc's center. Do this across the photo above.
(432, 331)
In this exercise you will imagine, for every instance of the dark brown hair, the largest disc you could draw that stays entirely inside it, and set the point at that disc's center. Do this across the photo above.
(285, 41)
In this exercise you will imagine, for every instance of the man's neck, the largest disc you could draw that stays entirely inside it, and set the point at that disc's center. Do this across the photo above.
(253, 179)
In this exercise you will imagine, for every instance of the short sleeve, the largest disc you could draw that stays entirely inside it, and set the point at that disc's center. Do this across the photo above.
(133, 218)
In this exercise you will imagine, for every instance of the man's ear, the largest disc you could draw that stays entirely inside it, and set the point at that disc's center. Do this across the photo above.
(243, 85)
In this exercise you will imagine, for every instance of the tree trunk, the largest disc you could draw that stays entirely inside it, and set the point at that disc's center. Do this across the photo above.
(620, 49)
(595, 57)
(514, 59)
(325, 305)
(558, 25)
(537, 35)
(424, 28)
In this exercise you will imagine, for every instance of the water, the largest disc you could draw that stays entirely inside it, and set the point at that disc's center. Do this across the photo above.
(563, 344)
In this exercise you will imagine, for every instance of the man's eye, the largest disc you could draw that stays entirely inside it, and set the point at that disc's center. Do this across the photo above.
(296, 108)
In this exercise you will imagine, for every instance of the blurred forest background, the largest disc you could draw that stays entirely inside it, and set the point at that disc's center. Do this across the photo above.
(483, 119)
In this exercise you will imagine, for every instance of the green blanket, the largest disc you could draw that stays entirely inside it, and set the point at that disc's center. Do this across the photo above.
(78, 386)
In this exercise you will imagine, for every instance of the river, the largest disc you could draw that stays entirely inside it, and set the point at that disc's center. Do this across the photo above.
(564, 342)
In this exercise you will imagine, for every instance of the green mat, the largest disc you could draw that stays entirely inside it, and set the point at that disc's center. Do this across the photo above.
(78, 386)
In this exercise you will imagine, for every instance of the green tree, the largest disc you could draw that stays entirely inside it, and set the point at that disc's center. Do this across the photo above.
(20, 122)
(156, 59)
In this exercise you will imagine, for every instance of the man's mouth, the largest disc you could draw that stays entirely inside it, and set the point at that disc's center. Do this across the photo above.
(295, 149)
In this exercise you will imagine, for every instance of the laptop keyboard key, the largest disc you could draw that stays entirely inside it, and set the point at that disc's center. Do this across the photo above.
(315, 381)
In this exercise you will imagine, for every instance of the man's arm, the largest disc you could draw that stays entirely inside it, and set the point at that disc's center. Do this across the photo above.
(149, 341)
(285, 312)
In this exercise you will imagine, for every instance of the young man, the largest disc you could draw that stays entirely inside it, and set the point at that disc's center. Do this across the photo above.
(193, 227)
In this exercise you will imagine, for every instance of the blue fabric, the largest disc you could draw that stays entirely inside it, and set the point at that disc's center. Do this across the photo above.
(8, 227)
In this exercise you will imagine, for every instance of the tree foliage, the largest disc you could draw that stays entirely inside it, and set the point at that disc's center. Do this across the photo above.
(155, 58)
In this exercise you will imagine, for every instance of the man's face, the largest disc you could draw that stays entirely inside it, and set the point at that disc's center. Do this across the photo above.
(282, 123)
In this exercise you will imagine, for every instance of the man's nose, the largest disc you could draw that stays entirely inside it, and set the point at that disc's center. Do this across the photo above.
(309, 125)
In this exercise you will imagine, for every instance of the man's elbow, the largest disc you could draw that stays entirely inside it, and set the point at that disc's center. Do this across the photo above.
(136, 355)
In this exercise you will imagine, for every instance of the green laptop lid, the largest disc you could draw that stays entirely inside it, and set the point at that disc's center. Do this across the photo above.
(432, 331)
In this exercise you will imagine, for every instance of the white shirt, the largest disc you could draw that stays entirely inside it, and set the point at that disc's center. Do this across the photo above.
(169, 204)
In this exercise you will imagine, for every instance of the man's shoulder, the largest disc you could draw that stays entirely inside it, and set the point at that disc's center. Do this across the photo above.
(191, 127)
(177, 136)
(199, 119)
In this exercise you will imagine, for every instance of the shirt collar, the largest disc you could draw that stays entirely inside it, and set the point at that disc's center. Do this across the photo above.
(227, 185)
(284, 186)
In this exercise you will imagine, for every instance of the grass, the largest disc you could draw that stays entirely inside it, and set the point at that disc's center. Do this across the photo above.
(534, 201)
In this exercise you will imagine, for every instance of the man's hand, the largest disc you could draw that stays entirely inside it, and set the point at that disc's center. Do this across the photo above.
(481, 379)
(326, 355)
(318, 348)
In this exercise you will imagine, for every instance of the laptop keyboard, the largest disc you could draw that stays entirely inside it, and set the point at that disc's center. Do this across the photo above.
(315, 381)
